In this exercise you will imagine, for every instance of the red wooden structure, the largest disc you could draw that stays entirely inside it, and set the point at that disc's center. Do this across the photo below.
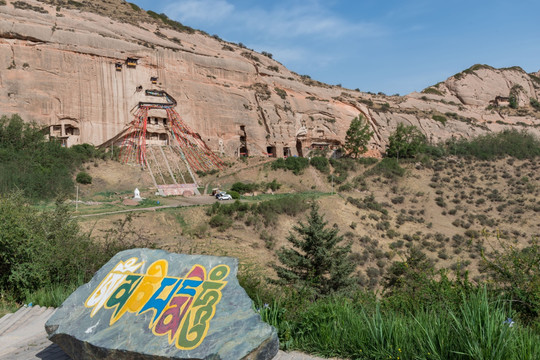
(190, 145)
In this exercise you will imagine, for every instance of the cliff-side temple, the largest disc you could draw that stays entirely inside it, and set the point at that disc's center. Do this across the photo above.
(160, 141)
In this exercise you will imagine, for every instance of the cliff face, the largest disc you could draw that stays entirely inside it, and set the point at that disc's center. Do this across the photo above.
(67, 69)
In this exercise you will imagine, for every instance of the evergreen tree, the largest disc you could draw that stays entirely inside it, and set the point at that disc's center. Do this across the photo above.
(316, 261)
(358, 136)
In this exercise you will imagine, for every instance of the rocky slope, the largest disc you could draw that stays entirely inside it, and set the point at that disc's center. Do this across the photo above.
(63, 64)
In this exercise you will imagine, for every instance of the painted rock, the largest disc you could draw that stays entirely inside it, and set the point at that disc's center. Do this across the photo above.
(151, 304)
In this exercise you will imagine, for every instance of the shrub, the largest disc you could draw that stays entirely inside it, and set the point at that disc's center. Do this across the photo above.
(267, 210)
(439, 118)
(387, 167)
(83, 178)
(281, 93)
(205, 173)
(171, 23)
(320, 163)
(41, 168)
(273, 185)
(516, 271)
(405, 142)
(220, 221)
(234, 194)
(432, 90)
(134, 6)
(518, 144)
(242, 188)
(535, 104)
(294, 164)
(398, 200)
(40, 250)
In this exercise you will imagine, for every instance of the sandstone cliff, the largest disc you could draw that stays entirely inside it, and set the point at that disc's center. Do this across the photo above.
(64, 65)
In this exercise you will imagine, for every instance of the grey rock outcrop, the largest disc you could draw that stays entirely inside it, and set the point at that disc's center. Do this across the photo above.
(151, 304)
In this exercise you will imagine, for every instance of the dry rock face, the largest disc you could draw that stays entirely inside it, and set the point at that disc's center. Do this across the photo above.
(67, 69)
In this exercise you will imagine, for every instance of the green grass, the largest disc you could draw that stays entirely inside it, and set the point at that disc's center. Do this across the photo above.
(345, 328)
(7, 306)
(53, 295)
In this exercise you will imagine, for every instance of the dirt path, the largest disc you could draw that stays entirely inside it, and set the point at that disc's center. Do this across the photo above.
(191, 201)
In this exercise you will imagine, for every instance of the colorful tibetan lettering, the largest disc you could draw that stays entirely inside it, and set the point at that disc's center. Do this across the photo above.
(182, 307)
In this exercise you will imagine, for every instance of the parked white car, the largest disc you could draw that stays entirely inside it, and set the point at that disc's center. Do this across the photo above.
(224, 196)
(221, 193)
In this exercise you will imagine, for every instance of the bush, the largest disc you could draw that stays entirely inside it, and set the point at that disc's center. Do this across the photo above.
(42, 169)
(387, 167)
(220, 221)
(234, 194)
(516, 270)
(273, 185)
(267, 210)
(439, 118)
(398, 200)
(405, 142)
(294, 164)
(134, 6)
(535, 104)
(83, 178)
(281, 93)
(40, 250)
(518, 144)
(171, 23)
(242, 188)
(320, 163)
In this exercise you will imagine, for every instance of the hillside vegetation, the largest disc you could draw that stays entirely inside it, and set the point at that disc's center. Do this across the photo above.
(40, 168)
(443, 244)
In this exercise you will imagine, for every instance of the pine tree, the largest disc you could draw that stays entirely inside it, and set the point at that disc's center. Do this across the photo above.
(357, 136)
(316, 261)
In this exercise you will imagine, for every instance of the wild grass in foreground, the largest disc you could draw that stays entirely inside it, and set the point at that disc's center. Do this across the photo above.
(479, 327)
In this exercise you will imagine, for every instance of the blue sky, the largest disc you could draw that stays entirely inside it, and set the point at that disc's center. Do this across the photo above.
(374, 45)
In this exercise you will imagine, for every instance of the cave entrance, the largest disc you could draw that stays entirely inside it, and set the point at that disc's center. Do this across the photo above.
(286, 152)
(299, 148)
(243, 142)
(271, 151)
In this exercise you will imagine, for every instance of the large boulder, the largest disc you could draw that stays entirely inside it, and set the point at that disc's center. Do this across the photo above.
(151, 304)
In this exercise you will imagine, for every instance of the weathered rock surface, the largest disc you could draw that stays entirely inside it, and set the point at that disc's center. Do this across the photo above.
(58, 68)
(150, 304)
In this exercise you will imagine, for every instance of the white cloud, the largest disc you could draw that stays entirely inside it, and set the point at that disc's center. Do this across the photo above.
(300, 20)
(284, 20)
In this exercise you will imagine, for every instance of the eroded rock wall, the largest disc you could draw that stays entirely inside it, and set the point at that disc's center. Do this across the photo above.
(59, 69)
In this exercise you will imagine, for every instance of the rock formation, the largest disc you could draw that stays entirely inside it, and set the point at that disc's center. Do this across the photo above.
(81, 68)
(150, 304)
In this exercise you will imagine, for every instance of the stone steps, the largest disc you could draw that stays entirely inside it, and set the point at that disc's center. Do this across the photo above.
(14, 318)
(23, 336)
